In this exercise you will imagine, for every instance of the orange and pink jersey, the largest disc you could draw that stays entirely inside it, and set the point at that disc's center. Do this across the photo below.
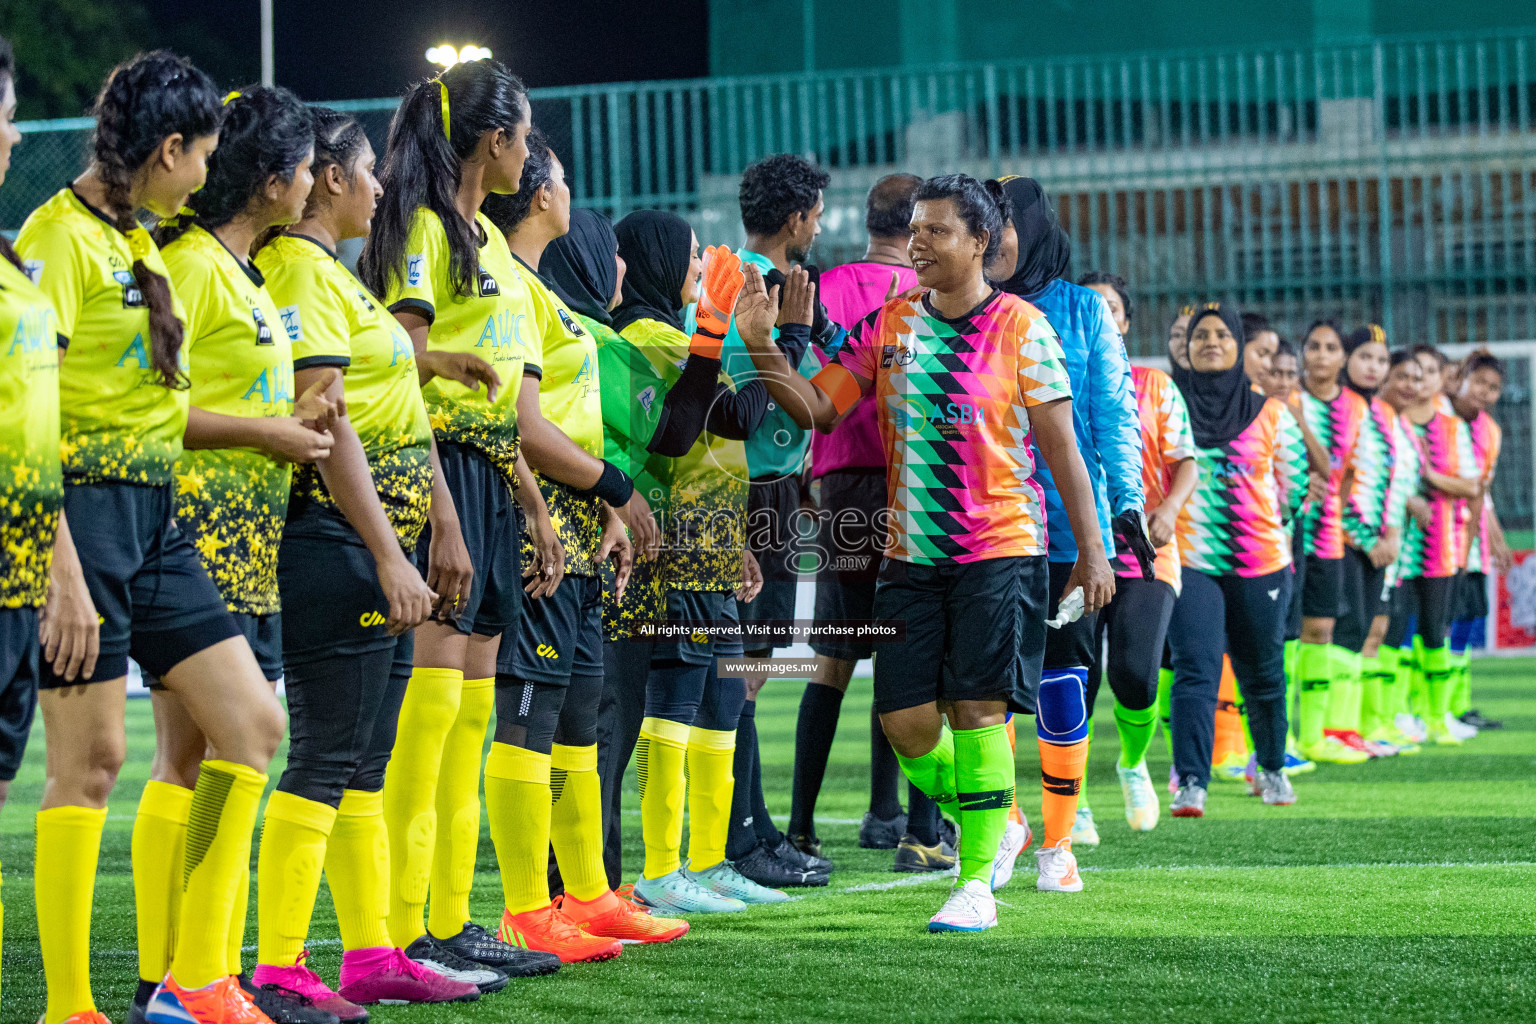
(1165, 440)
(1446, 443)
(1235, 524)
(953, 399)
(1487, 439)
(1336, 425)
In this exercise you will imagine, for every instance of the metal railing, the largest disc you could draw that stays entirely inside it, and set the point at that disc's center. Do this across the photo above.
(1391, 179)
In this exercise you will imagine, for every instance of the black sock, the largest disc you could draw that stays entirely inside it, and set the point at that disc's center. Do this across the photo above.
(922, 817)
(819, 708)
(884, 772)
(762, 821)
(743, 835)
(145, 990)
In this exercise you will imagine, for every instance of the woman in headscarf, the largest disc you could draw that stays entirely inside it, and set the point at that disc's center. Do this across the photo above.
(1236, 554)
(700, 496)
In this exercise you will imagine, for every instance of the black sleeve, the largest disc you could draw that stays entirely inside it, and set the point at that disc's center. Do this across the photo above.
(685, 409)
(736, 415)
(793, 340)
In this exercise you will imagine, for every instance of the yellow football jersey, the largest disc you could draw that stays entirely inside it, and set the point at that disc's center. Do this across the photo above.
(31, 478)
(232, 502)
(492, 323)
(118, 422)
(332, 320)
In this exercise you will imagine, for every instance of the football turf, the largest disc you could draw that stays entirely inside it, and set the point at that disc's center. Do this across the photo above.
(1402, 890)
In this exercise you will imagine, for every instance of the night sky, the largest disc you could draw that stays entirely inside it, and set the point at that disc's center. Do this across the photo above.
(357, 49)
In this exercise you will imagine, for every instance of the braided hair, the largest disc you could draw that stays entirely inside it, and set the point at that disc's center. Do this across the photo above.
(146, 99)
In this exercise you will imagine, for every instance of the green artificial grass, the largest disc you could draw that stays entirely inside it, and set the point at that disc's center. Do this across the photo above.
(1402, 891)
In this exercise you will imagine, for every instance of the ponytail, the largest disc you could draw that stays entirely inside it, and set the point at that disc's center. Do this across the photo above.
(145, 99)
(422, 167)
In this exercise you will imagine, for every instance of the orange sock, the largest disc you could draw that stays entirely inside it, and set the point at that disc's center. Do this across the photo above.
(1229, 721)
(1014, 814)
(1061, 772)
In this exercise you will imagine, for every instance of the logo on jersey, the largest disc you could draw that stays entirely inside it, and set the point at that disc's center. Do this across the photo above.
(415, 264)
(646, 397)
(1274, 595)
(584, 375)
(291, 322)
(370, 619)
(366, 301)
(571, 325)
(133, 298)
(546, 651)
(34, 269)
(488, 285)
(263, 329)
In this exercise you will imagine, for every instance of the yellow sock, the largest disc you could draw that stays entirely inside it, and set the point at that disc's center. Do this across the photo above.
(234, 941)
(64, 877)
(576, 820)
(410, 791)
(357, 870)
(458, 810)
(711, 755)
(224, 807)
(293, 840)
(517, 800)
(159, 844)
(660, 754)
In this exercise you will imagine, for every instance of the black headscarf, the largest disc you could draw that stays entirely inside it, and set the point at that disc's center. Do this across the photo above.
(1221, 403)
(656, 247)
(1044, 248)
(1353, 340)
(579, 265)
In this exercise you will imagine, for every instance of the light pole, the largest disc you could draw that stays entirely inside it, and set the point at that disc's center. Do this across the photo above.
(268, 64)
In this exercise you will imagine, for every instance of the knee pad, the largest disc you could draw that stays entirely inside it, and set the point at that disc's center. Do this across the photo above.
(1061, 709)
(720, 708)
(321, 780)
(674, 690)
(527, 713)
(577, 725)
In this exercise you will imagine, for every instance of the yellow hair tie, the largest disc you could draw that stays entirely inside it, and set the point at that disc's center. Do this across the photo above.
(442, 88)
(140, 245)
(232, 95)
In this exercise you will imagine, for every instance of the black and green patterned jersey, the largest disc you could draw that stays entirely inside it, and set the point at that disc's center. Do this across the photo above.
(700, 499)
(117, 421)
(231, 502)
(31, 476)
(332, 320)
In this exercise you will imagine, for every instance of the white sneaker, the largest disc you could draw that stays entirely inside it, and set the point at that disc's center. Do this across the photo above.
(1084, 832)
(1058, 868)
(1141, 806)
(970, 908)
(1015, 838)
(1456, 727)
(1411, 727)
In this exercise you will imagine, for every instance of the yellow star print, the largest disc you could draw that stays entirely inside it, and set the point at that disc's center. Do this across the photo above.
(190, 482)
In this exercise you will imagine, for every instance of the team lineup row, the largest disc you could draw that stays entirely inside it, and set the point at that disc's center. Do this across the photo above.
(473, 471)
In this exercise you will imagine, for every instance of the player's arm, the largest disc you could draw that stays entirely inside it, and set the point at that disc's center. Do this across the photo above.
(449, 569)
(548, 566)
(1115, 426)
(1056, 437)
(821, 402)
(68, 628)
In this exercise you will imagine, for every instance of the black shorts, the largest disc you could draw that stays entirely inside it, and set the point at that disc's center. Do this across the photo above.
(1471, 597)
(849, 546)
(773, 519)
(1071, 646)
(1298, 582)
(698, 606)
(1322, 588)
(20, 662)
(974, 631)
(264, 634)
(152, 594)
(337, 606)
(484, 504)
(559, 636)
(1361, 583)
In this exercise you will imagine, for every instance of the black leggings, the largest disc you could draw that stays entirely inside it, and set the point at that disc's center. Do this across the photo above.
(342, 714)
(1429, 600)
(694, 695)
(1136, 622)
(1243, 616)
(1362, 598)
(535, 715)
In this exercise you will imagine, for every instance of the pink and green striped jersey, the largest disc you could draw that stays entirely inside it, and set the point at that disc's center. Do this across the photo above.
(1487, 439)
(1165, 440)
(1446, 443)
(1365, 508)
(953, 400)
(1407, 481)
(1336, 425)
(1235, 524)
